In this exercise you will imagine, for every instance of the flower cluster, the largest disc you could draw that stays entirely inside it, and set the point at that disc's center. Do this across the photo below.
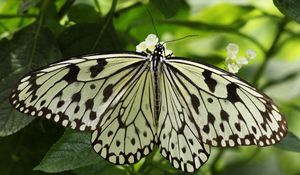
(149, 45)
(235, 63)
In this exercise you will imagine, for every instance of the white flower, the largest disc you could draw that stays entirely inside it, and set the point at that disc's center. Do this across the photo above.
(234, 63)
(148, 44)
(151, 41)
(232, 50)
(142, 47)
(242, 61)
(250, 54)
(233, 68)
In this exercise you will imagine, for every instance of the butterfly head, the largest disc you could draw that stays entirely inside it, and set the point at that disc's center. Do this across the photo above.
(159, 49)
(151, 45)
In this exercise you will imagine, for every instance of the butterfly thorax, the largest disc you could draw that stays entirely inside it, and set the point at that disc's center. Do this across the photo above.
(156, 58)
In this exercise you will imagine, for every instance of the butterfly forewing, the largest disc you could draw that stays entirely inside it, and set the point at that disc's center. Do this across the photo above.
(226, 110)
(76, 92)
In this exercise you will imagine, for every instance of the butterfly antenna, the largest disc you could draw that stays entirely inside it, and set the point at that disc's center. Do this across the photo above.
(152, 20)
(188, 36)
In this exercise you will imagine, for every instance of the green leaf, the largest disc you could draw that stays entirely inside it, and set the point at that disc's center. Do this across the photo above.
(22, 151)
(289, 7)
(30, 47)
(11, 120)
(73, 150)
(101, 168)
(83, 13)
(290, 143)
(168, 7)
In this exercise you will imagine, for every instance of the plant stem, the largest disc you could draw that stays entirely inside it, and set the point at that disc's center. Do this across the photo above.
(270, 51)
(40, 21)
(65, 8)
(106, 23)
(8, 16)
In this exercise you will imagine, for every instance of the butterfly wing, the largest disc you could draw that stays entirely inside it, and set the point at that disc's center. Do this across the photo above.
(127, 131)
(77, 92)
(226, 110)
(178, 137)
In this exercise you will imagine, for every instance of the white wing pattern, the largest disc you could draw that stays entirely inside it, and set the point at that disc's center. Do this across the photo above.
(134, 101)
(76, 92)
(127, 130)
(178, 137)
(226, 110)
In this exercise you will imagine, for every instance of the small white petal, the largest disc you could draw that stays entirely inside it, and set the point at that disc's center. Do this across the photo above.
(151, 47)
(242, 61)
(233, 68)
(251, 54)
(151, 39)
(141, 47)
(232, 50)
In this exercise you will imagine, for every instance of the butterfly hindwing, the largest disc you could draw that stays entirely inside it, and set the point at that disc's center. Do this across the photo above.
(126, 132)
(227, 111)
(179, 139)
(75, 92)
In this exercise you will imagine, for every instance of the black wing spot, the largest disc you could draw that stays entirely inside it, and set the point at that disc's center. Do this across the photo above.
(145, 134)
(210, 100)
(34, 97)
(264, 126)
(172, 145)
(60, 103)
(118, 143)
(89, 103)
(237, 126)
(109, 133)
(224, 115)
(76, 97)
(222, 127)
(132, 141)
(107, 92)
(43, 102)
(200, 151)
(195, 102)
(71, 76)
(92, 86)
(191, 141)
(211, 83)
(232, 95)
(206, 129)
(240, 117)
(93, 115)
(254, 129)
(96, 69)
(211, 118)
(76, 109)
(183, 150)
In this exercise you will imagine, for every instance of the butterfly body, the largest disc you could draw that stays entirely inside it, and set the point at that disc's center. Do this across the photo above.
(134, 101)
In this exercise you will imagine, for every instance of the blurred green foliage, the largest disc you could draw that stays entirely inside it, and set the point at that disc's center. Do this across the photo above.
(34, 33)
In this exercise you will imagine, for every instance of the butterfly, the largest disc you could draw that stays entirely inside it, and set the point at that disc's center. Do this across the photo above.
(133, 101)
